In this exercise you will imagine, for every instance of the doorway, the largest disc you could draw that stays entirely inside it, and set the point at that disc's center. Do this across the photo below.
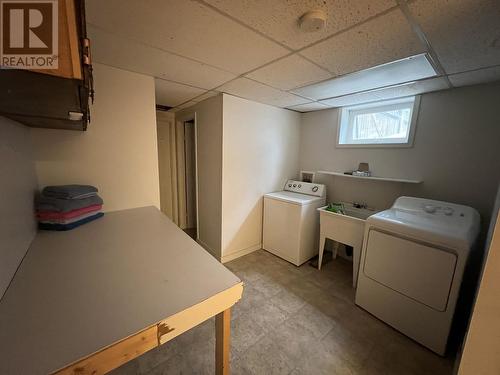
(177, 161)
(190, 178)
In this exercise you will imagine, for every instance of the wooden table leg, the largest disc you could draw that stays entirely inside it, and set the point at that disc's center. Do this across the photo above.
(222, 342)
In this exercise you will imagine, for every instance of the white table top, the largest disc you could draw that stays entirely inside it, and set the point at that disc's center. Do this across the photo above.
(79, 291)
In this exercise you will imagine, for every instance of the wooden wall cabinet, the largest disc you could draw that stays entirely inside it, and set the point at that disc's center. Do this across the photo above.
(56, 98)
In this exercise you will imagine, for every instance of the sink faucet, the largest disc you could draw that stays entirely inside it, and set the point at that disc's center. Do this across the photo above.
(359, 205)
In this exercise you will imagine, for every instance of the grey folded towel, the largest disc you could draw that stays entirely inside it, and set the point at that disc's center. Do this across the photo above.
(44, 203)
(69, 191)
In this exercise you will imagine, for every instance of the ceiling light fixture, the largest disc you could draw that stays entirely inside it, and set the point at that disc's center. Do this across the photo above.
(314, 20)
(386, 93)
(409, 69)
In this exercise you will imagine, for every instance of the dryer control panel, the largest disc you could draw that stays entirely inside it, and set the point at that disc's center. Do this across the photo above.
(428, 206)
(309, 188)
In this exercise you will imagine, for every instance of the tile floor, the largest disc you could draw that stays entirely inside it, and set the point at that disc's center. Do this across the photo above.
(295, 320)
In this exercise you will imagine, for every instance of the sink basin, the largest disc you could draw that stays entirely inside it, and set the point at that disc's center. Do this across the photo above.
(358, 213)
(347, 229)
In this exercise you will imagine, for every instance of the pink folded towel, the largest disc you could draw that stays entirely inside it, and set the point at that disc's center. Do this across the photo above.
(70, 220)
(53, 215)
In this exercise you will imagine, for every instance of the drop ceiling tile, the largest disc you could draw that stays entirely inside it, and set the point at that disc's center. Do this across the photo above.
(476, 77)
(414, 88)
(183, 106)
(248, 89)
(120, 52)
(172, 94)
(290, 72)
(204, 96)
(465, 34)
(381, 40)
(308, 107)
(278, 19)
(187, 28)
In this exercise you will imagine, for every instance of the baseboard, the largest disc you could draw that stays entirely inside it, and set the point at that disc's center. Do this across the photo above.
(240, 253)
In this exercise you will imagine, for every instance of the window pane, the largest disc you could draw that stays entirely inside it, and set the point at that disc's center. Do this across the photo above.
(386, 122)
(381, 125)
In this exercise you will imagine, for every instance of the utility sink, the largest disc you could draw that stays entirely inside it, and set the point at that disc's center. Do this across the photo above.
(357, 213)
(347, 229)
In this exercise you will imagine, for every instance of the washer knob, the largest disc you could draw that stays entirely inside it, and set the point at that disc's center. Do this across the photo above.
(299, 185)
(294, 185)
(315, 189)
(289, 185)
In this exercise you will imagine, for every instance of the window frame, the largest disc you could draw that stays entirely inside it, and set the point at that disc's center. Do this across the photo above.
(344, 117)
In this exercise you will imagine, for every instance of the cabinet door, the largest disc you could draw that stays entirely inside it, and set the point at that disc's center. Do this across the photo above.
(70, 35)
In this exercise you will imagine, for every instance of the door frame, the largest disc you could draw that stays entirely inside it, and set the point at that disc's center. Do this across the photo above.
(181, 171)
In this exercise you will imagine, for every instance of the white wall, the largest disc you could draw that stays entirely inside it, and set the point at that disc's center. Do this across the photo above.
(17, 191)
(481, 355)
(118, 152)
(455, 153)
(209, 157)
(260, 152)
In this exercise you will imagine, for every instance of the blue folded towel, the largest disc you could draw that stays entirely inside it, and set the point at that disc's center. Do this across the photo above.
(69, 191)
(63, 227)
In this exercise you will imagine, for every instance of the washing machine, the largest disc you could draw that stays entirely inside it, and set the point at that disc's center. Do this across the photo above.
(412, 264)
(291, 221)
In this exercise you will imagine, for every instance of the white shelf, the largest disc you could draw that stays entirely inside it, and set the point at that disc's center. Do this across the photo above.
(406, 181)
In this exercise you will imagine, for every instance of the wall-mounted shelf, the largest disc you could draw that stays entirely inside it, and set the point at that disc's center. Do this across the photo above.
(402, 180)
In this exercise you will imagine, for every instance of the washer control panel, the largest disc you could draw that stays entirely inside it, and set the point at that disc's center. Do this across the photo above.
(308, 188)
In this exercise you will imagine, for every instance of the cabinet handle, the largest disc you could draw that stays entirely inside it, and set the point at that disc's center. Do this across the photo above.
(87, 56)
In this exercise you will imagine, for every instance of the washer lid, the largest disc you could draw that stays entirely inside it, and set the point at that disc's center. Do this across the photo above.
(442, 223)
(293, 198)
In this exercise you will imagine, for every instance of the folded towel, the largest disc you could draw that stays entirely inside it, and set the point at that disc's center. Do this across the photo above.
(63, 227)
(51, 215)
(69, 191)
(70, 220)
(43, 203)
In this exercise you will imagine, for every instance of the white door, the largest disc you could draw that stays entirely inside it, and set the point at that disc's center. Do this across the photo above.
(167, 160)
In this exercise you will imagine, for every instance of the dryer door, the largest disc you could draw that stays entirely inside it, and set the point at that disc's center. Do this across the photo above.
(420, 272)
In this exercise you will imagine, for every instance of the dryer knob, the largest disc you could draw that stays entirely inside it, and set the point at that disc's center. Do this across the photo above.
(294, 185)
(315, 188)
(429, 208)
(448, 211)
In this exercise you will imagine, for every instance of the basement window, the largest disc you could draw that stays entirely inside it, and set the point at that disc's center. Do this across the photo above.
(389, 123)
